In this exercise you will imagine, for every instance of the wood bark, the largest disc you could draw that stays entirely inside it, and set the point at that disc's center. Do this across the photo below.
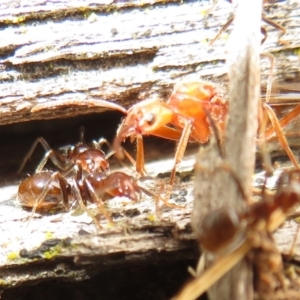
(62, 55)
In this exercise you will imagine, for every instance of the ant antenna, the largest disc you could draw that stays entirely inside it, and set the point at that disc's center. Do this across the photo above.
(81, 134)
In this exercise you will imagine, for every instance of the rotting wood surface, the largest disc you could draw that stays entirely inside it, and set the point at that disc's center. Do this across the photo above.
(124, 52)
(71, 239)
(62, 54)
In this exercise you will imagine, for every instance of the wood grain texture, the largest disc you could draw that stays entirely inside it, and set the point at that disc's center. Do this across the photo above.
(59, 54)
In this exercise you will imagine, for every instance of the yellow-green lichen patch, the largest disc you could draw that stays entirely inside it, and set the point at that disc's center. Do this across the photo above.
(12, 256)
(52, 252)
(48, 235)
(297, 51)
(151, 218)
(18, 19)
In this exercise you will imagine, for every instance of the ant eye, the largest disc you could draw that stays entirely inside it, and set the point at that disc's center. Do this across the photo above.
(150, 118)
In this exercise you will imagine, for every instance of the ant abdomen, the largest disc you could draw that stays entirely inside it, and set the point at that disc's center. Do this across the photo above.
(221, 231)
(115, 184)
(43, 190)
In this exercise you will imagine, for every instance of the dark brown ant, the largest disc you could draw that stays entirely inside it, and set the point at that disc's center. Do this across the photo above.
(231, 234)
(83, 175)
(48, 189)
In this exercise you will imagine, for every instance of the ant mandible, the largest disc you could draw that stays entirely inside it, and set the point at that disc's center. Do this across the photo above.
(245, 230)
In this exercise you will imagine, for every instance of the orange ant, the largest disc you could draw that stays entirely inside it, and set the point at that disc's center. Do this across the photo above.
(183, 117)
(231, 234)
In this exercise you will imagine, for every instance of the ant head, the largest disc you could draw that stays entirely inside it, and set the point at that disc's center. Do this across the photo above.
(143, 118)
(146, 116)
(93, 160)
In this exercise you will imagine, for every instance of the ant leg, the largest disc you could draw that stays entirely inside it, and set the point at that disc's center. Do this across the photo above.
(140, 159)
(99, 144)
(41, 165)
(82, 205)
(287, 119)
(280, 134)
(271, 57)
(264, 33)
(64, 190)
(95, 199)
(294, 244)
(55, 157)
(181, 149)
(227, 24)
(279, 27)
(102, 141)
(158, 198)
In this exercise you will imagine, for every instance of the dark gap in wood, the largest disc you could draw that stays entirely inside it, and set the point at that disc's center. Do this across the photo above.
(156, 280)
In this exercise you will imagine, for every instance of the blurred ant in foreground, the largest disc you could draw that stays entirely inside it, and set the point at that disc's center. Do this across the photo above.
(231, 235)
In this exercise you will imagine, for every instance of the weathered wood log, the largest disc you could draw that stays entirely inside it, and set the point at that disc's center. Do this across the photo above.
(62, 55)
